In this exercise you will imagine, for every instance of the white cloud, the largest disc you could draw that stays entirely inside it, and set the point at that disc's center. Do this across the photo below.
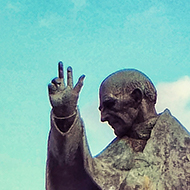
(176, 97)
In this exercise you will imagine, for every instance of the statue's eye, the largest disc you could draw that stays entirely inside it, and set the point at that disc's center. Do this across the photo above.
(109, 104)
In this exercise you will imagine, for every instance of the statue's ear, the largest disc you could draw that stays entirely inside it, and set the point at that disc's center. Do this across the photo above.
(137, 96)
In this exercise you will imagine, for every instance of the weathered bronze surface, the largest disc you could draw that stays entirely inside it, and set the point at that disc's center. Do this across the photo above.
(151, 151)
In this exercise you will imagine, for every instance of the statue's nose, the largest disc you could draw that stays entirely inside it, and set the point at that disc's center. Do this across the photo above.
(104, 116)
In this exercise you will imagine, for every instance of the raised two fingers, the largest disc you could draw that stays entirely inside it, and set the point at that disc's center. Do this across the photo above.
(58, 82)
(69, 74)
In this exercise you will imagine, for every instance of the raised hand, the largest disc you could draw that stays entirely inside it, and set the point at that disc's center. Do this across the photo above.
(63, 98)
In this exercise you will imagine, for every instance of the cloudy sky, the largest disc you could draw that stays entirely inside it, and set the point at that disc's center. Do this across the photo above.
(96, 38)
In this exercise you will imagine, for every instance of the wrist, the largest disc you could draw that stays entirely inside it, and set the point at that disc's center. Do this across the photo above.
(65, 117)
(64, 114)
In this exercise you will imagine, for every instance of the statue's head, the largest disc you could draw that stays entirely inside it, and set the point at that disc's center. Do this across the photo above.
(127, 97)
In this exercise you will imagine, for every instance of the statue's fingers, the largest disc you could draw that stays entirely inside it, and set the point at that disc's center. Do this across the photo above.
(60, 70)
(58, 82)
(61, 73)
(79, 84)
(70, 77)
(52, 88)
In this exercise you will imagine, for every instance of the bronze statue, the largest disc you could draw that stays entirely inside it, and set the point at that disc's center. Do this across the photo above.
(151, 151)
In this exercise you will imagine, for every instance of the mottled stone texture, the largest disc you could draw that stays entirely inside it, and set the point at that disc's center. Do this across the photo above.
(163, 163)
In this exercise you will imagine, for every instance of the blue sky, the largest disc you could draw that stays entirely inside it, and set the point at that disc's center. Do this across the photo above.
(96, 38)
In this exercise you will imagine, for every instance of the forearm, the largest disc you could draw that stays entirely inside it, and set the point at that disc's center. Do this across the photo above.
(65, 163)
(65, 137)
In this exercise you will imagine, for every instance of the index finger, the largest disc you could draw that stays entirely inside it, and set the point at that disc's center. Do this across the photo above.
(60, 69)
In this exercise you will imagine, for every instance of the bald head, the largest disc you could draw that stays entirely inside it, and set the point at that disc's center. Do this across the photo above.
(127, 80)
(127, 97)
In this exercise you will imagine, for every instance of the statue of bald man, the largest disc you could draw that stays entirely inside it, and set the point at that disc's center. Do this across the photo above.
(151, 151)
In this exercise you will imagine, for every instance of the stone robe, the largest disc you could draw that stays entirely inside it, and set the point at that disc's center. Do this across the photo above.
(162, 162)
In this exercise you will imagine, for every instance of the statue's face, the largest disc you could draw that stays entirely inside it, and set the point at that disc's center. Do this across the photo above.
(117, 109)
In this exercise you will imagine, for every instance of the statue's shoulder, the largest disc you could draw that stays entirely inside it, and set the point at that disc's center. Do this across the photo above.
(167, 124)
(168, 137)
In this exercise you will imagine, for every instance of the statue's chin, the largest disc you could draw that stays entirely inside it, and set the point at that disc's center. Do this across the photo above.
(119, 133)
